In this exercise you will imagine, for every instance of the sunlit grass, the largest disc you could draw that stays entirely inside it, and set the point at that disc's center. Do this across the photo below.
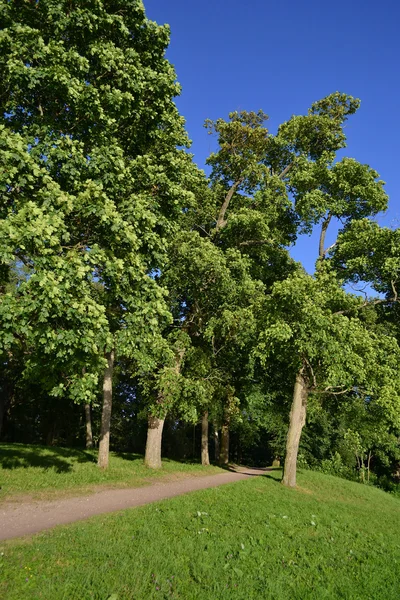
(40, 471)
(254, 539)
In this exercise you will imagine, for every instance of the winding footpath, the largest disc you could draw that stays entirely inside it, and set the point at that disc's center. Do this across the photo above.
(27, 518)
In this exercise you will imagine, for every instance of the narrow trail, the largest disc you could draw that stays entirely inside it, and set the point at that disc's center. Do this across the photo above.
(27, 518)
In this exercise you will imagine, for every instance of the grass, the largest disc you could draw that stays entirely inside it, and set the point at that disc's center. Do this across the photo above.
(328, 539)
(46, 473)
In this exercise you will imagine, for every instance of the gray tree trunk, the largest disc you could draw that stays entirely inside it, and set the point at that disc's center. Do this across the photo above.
(224, 452)
(152, 457)
(205, 459)
(6, 397)
(104, 445)
(155, 427)
(3, 408)
(216, 443)
(296, 423)
(88, 419)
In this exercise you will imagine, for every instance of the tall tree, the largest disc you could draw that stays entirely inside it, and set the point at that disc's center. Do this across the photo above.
(322, 190)
(91, 182)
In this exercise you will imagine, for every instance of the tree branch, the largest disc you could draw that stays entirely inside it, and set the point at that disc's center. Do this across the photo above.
(329, 248)
(221, 222)
(285, 171)
(330, 391)
(325, 226)
(24, 260)
(368, 303)
(312, 373)
(395, 297)
(255, 242)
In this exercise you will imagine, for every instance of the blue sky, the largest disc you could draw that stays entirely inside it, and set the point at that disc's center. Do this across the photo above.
(281, 57)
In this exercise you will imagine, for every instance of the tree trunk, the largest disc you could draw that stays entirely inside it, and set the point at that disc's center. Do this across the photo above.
(51, 435)
(369, 465)
(296, 424)
(205, 459)
(5, 400)
(216, 443)
(224, 453)
(2, 412)
(152, 458)
(89, 434)
(104, 445)
(155, 427)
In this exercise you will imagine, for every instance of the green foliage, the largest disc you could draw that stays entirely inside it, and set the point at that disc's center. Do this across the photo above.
(91, 183)
(367, 252)
(243, 142)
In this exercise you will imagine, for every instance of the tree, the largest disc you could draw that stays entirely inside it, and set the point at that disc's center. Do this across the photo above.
(322, 190)
(91, 182)
(312, 329)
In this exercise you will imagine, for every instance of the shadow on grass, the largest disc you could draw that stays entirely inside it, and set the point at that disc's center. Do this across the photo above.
(265, 471)
(276, 479)
(60, 459)
(128, 455)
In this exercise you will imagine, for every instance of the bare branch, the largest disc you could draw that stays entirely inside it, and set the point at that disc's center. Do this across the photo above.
(331, 391)
(255, 242)
(285, 171)
(328, 249)
(24, 260)
(325, 226)
(221, 222)
(312, 373)
(366, 303)
(395, 297)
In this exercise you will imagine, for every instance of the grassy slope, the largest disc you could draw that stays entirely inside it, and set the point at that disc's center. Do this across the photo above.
(44, 472)
(254, 539)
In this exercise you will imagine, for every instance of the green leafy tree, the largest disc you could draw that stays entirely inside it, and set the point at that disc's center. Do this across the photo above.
(312, 325)
(322, 190)
(91, 180)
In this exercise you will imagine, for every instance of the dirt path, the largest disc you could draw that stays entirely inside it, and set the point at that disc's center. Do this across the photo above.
(17, 520)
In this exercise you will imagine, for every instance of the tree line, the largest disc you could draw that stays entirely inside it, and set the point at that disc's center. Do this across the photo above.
(138, 292)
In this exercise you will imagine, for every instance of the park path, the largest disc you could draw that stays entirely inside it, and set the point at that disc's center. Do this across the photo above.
(26, 518)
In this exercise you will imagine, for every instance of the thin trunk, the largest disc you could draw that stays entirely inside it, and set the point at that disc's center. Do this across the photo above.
(216, 443)
(104, 445)
(296, 423)
(89, 434)
(5, 400)
(324, 229)
(3, 407)
(369, 465)
(205, 459)
(362, 468)
(153, 445)
(224, 453)
(52, 434)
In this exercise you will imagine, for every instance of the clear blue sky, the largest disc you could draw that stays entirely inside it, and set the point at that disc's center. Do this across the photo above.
(281, 57)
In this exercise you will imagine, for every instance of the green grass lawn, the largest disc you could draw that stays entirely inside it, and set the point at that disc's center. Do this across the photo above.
(254, 539)
(46, 473)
